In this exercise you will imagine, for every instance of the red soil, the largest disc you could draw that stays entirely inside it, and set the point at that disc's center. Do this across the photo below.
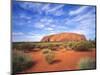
(66, 60)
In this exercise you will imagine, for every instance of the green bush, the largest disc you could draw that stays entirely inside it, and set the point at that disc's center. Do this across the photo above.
(87, 63)
(26, 47)
(81, 46)
(71, 44)
(49, 55)
(21, 61)
(93, 42)
(17, 46)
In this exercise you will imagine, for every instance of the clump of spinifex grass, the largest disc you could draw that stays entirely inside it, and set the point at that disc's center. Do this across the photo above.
(49, 55)
(87, 63)
(21, 61)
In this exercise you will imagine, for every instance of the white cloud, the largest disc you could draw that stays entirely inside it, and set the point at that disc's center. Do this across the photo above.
(49, 29)
(17, 33)
(87, 17)
(39, 25)
(44, 23)
(24, 16)
(45, 7)
(40, 7)
(57, 11)
(84, 23)
(30, 36)
(46, 20)
(55, 8)
(30, 5)
(52, 25)
(34, 38)
(79, 10)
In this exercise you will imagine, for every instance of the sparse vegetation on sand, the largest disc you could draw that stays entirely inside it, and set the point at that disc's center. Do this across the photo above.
(74, 45)
(49, 55)
(51, 51)
(81, 45)
(87, 63)
(21, 61)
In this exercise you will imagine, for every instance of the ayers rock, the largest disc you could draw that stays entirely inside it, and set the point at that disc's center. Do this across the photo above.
(64, 37)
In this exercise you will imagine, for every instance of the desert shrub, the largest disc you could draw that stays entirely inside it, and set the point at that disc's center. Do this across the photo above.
(21, 61)
(49, 55)
(54, 48)
(45, 51)
(23, 46)
(87, 63)
(82, 45)
(93, 42)
(71, 44)
(17, 46)
(27, 46)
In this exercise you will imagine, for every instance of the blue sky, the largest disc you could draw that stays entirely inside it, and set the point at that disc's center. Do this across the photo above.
(31, 21)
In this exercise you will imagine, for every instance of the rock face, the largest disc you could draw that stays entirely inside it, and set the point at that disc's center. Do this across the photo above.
(64, 37)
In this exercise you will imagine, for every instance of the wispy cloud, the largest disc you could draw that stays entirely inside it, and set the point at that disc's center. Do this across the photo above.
(30, 36)
(78, 11)
(42, 7)
(35, 20)
(57, 10)
(49, 28)
(39, 25)
(45, 7)
(17, 33)
(85, 24)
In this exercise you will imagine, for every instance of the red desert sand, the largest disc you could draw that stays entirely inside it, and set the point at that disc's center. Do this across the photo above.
(65, 60)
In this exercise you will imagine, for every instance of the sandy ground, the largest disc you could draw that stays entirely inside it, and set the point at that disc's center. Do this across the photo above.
(65, 60)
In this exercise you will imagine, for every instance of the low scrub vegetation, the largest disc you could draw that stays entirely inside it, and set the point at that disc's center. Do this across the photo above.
(87, 63)
(81, 46)
(21, 61)
(23, 46)
(54, 46)
(49, 55)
